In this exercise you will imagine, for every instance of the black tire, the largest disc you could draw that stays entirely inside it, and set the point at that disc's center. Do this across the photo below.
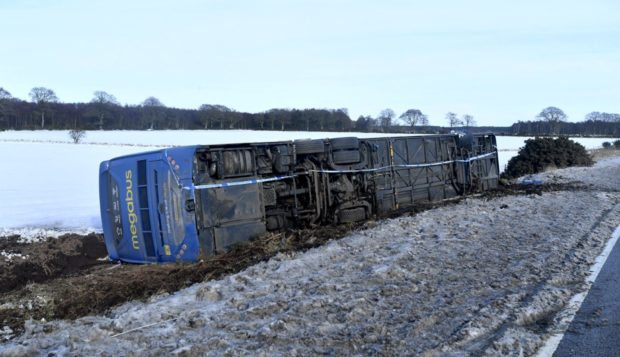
(345, 143)
(309, 146)
(352, 215)
(346, 156)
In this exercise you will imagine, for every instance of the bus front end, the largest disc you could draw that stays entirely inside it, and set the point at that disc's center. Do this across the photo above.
(147, 214)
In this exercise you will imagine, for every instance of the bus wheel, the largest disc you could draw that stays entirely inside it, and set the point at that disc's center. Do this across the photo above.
(352, 215)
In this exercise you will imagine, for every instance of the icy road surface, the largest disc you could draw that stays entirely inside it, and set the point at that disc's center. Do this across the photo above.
(478, 277)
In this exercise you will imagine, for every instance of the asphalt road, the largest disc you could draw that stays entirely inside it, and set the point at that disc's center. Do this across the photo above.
(595, 330)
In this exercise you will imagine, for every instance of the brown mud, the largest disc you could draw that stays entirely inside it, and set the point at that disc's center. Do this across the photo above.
(66, 277)
(64, 256)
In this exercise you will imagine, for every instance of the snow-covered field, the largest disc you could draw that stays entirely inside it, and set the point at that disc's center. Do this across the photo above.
(481, 277)
(49, 185)
(166, 138)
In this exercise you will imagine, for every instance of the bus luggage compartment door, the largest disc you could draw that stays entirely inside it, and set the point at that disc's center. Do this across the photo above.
(232, 214)
(481, 174)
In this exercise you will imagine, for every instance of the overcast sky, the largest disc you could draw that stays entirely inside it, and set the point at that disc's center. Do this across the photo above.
(500, 61)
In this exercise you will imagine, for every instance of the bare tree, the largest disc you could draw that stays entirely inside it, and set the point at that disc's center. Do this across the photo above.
(593, 116)
(4, 94)
(385, 118)
(104, 98)
(280, 116)
(153, 110)
(365, 123)
(469, 120)
(598, 116)
(610, 117)
(413, 117)
(453, 120)
(424, 120)
(152, 102)
(554, 116)
(211, 113)
(42, 97)
(77, 135)
(103, 102)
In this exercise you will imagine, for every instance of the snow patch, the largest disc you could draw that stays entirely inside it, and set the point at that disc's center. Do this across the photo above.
(10, 256)
(35, 234)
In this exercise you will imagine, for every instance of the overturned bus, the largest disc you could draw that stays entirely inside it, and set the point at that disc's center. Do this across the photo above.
(186, 203)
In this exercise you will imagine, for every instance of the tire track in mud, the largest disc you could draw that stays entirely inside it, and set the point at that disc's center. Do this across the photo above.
(65, 279)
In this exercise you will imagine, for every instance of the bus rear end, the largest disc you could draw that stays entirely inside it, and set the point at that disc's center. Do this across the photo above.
(147, 216)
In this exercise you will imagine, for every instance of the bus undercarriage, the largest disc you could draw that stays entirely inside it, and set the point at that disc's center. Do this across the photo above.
(243, 191)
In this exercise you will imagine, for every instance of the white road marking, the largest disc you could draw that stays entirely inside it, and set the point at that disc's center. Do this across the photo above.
(568, 314)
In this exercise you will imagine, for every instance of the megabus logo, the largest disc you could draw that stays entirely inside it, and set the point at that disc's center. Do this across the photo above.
(131, 210)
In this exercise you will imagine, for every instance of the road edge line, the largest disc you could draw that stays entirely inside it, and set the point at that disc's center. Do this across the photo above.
(573, 306)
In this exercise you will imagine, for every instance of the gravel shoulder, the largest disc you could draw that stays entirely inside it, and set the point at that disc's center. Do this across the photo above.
(484, 276)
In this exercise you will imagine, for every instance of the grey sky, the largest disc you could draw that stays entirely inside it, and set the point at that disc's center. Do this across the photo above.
(501, 61)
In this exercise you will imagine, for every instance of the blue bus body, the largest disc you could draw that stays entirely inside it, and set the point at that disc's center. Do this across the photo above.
(187, 203)
(142, 198)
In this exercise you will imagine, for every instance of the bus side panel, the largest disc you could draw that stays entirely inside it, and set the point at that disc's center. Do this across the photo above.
(486, 170)
(382, 179)
(482, 173)
(405, 186)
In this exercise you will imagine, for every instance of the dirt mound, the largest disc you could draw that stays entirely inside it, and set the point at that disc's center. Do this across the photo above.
(64, 280)
(122, 282)
(25, 263)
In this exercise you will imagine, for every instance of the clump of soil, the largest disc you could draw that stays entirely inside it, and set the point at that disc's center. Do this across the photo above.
(541, 154)
(41, 261)
(65, 279)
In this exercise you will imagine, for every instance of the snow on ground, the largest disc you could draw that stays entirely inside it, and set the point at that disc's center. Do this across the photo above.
(50, 186)
(610, 167)
(194, 137)
(176, 137)
(484, 276)
(28, 234)
(10, 256)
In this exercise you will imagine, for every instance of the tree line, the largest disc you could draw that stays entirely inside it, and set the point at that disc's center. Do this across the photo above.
(104, 112)
(552, 121)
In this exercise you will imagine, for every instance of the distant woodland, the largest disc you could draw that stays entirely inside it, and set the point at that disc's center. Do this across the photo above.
(45, 111)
